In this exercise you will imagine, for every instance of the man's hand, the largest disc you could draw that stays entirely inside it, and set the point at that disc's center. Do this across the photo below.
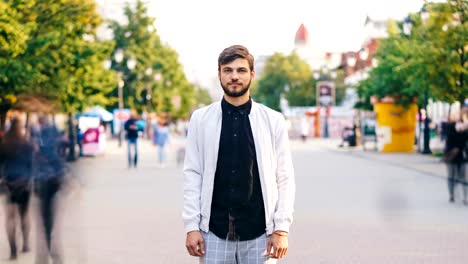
(277, 244)
(195, 244)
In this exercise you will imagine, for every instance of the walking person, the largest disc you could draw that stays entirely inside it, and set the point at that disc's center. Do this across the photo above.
(16, 154)
(238, 174)
(304, 129)
(49, 179)
(132, 133)
(455, 156)
(160, 139)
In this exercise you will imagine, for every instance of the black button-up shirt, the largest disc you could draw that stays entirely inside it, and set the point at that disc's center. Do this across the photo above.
(237, 210)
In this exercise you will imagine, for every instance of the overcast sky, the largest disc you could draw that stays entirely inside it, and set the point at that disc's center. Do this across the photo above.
(199, 30)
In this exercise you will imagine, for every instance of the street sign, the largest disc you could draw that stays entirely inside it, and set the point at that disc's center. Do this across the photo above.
(325, 93)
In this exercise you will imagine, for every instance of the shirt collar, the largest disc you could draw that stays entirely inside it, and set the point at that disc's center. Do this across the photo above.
(243, 109)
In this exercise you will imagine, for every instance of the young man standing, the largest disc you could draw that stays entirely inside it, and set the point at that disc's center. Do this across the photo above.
(238, 174)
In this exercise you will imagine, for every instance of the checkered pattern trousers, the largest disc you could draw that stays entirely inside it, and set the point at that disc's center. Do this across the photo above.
(220, 251)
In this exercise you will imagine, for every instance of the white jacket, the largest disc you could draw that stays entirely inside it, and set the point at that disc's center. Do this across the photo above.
(274, 164)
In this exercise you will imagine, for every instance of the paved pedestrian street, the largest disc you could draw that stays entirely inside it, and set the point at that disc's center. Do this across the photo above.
(352, 207)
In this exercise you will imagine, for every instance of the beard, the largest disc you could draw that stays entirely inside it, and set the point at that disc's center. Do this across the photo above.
(232, 93)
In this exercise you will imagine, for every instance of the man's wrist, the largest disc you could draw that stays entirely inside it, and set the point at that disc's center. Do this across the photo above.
(281, 233)
(189, 232)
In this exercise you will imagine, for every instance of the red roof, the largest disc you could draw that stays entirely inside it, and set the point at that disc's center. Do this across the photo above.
(302, 36)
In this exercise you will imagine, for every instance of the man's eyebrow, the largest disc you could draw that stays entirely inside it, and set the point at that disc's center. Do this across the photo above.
(238, 68)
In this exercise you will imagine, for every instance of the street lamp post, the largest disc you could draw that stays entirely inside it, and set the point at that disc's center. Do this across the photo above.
(426, 148)
(120, 86)
(157, 78)
(325, 98)
(131, 63)
(148, 72)
(407, 26)
(326, 133)
(119, 55)
(351, 69)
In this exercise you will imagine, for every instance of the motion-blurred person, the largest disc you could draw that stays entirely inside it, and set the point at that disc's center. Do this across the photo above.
(132, 130)
(455, 155)
(16, 158)
(238, 173)
(160, 139)
(304, 129)
(49, 179)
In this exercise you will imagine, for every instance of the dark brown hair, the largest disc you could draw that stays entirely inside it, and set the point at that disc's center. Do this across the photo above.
(234, 52)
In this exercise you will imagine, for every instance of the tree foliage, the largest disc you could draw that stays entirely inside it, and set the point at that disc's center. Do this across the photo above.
(431, 60)
(49, 50)
(15, 30)
(285, 74)
(138, 39)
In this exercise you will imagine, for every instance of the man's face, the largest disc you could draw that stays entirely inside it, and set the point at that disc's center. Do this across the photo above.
(235, 77)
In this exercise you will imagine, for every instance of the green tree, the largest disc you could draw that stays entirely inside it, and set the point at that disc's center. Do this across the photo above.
(430, 61)
(15, 30)
(55, 56)
(447, 29)
(390, 77)
(285, 74)
(203, 96)
(340, 87)
(138, 39)
(427, 63)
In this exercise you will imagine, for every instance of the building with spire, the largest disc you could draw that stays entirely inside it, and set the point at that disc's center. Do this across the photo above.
(318, 59)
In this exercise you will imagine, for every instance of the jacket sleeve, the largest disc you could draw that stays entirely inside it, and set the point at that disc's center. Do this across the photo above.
(283, 216)
(192, 178)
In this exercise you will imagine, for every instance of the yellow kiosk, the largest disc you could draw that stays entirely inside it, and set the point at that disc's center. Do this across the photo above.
(395, 127)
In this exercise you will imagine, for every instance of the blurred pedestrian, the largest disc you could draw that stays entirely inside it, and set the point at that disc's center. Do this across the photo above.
(304, 129)
(16, 155)
(238, 173)
(79, 140)
(348, 136)
(455, 156)
(49, 179)
(160, 139)
(132, 130)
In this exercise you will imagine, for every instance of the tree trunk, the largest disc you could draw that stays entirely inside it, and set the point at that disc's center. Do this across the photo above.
(420, 129)
(462, 103)
(71, 138)
(27, 126)
(3, 115)
(449, 112)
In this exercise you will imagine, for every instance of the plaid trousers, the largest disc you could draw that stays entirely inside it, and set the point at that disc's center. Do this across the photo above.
(221, 251)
